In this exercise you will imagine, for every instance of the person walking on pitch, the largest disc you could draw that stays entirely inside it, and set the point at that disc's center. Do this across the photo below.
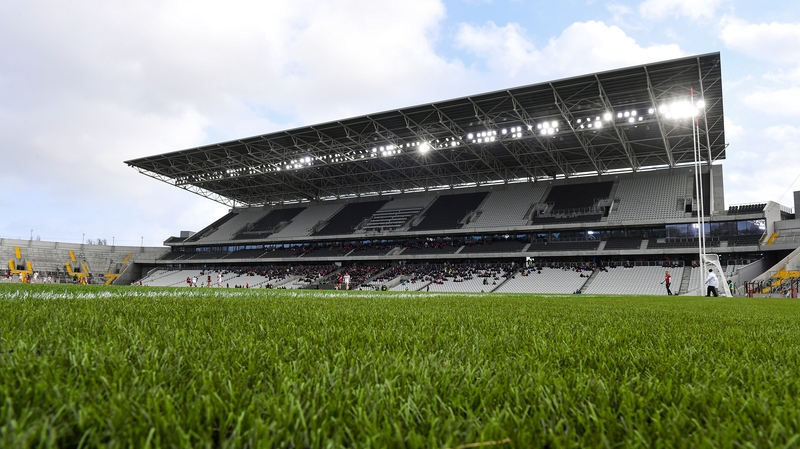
(667, 281)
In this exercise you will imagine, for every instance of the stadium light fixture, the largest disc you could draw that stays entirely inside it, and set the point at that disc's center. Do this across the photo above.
(607, 116)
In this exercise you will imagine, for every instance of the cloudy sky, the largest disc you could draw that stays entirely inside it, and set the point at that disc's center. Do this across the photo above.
(88, 84)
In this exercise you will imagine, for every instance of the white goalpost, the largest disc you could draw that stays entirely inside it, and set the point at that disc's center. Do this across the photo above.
(707, 261)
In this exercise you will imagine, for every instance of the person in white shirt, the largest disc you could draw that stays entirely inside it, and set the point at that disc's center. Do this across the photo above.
(712, 283)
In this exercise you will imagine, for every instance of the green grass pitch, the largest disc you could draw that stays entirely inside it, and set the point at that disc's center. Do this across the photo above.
(87, 366)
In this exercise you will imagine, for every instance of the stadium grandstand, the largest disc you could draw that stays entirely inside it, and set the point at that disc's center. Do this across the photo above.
(592, 184)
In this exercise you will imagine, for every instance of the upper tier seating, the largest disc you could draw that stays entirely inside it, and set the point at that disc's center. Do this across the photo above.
(747, 209)
(304, 222)
(396, 213)
(506, 206)
(226, 230)
(210, 229)
(266, 224)
(349, 217)
(448, 211)
(651, 198)
(572, 197)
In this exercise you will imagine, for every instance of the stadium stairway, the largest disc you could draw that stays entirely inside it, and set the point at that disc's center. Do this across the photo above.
(779, 278)
(772, 238)
(505, 279)
(687, 274)
(15, 264)
(787, 265)
(589, 280)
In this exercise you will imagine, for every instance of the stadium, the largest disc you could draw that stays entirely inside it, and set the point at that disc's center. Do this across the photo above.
(503, 262)
(592, 184)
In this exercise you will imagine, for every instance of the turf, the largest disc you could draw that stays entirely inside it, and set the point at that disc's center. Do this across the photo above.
(147, 367)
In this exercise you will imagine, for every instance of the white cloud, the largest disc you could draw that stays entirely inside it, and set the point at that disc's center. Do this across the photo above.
(775, 101)
(787, 136)
(773, 42)
(761, 166)
(582, 47)
(732, 132)
(85, 86)
(693, 9)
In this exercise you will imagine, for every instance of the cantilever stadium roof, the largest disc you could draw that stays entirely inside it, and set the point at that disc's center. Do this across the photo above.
(621, 120)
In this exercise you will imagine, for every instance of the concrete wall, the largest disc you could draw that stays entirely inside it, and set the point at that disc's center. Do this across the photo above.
(717, 190)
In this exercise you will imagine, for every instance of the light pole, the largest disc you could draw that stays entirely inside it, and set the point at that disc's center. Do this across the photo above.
(31, 234)
(82, 237)
(142, 241)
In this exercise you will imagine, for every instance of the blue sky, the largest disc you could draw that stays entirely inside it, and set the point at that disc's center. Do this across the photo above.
(86, 85)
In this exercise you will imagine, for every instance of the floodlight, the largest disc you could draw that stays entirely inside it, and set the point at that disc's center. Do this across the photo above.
(633, 113)
(627, 114)
(374, 150)
(663, 109)
(530, 127)
(554, 124)
(470, 136)
(598, 124)
(544, 131)
(607, 116)
(579, 120)
(640, 119)
(545, 125)
(631, 120)
(539, 126)
(700, 104)
(504, 131)
(480, 140)
(589, 125)
(619, 114)
(650, 111)
(551, 131)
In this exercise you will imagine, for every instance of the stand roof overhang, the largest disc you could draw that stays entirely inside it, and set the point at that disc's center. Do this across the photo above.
(541, 131)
